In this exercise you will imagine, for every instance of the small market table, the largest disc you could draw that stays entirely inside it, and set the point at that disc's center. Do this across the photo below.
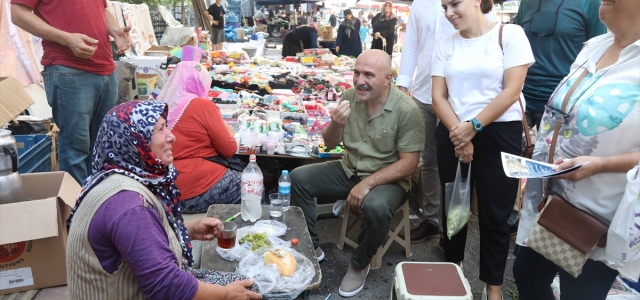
(297, 228)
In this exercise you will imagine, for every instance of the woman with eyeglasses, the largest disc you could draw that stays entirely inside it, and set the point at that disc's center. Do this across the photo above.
(383, 27)
(477, 78)
(599, 124)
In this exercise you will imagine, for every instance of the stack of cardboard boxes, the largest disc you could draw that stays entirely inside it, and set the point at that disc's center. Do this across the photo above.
(33, 234)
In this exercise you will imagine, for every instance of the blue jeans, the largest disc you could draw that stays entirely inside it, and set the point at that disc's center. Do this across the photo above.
(79, 101)
(534, 273)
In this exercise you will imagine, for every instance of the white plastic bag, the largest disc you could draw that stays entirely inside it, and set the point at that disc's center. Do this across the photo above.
(458, 202)
(272, 228)
(623, 237)
(269, 280)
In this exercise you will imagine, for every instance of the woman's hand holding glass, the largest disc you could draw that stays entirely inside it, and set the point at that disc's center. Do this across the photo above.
(462, 134)
(204, 229)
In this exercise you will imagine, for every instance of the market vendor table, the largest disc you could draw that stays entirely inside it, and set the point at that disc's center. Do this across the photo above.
(329, 44)
(297, 228)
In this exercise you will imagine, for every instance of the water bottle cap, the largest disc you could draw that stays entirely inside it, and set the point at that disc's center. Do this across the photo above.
(252, 157)
(285, 172)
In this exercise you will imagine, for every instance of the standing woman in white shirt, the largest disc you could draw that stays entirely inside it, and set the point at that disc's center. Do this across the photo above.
(476, 85)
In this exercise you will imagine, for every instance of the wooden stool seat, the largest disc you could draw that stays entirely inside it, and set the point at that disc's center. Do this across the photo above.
(376, 261)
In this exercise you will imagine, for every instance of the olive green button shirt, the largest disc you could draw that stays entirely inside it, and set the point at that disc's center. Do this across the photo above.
(374, 142)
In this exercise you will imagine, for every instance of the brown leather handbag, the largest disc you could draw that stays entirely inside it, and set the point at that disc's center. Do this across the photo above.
(565, 234)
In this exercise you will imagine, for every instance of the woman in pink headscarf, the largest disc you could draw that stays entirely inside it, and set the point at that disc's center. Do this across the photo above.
(200, 135)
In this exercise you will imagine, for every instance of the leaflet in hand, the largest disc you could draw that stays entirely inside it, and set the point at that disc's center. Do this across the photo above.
(519, 167)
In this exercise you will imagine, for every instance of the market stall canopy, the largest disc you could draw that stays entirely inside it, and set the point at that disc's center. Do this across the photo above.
(283, 2)
(20, 51)
(401, 6)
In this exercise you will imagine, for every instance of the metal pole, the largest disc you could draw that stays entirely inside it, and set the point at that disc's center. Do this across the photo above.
(184, 20)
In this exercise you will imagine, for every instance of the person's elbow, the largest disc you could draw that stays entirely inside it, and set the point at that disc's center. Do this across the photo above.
(411, 161)
(19, 14)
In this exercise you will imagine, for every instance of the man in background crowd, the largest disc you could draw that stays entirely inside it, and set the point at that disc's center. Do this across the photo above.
(556, 31)
(215, 13)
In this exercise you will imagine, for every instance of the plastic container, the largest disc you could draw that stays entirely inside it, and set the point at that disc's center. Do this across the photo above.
(271, 148)
(191, 53)
(284, 189)
(430, 281)
(252, 187)
(36, 157)
(250, 51)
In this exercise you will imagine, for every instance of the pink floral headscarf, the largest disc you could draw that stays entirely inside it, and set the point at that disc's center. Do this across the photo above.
(188, 81)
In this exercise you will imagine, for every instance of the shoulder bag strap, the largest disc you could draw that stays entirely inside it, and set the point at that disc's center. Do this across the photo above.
(525, 124)
(554, 139)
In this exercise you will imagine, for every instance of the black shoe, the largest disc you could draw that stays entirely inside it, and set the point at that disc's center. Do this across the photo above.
(426, 229)
(513, 229)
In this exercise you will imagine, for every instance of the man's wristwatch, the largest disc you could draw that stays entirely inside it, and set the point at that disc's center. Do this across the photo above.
(477, 125)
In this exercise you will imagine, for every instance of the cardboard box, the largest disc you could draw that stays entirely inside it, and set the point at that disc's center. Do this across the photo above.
(239, 33)
(260, 28)
(146, 84)
(33, 234)
(328, 33)
(149, 65)
(53, 133)
(13, 100)
(162, 51)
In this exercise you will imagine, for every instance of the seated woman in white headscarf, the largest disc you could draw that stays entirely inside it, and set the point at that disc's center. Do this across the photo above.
(201, 134)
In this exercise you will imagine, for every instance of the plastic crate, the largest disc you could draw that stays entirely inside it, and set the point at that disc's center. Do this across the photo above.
(37, 157)
(27, 141)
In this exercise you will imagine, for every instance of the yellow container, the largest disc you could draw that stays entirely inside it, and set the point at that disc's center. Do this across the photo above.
(147, 83)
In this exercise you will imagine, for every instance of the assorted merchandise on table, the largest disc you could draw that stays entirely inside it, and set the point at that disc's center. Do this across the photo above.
(279, 106)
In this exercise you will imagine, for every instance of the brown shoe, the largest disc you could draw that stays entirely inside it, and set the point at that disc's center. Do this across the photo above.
(426, 230)
(353, 281)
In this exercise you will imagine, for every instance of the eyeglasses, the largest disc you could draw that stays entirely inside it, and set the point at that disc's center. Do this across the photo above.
(544, 21)
(560, 116)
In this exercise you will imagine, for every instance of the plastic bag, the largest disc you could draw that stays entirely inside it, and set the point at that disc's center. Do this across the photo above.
(623, 237)
(458, 202)
(272, 228)
(270, 283)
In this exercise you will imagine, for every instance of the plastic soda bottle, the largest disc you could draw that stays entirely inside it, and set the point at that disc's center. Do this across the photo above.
(252, 188)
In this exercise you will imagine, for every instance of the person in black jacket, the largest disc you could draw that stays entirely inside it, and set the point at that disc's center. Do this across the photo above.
(348, 40)
(296, 40)
(383, 26)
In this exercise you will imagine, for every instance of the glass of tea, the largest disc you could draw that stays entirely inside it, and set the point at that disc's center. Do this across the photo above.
(227, 235)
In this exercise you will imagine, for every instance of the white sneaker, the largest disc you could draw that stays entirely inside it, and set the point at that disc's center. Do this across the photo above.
(319, 254)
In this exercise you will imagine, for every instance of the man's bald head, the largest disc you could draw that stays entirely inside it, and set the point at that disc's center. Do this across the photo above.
(372, 76)
(376, 58)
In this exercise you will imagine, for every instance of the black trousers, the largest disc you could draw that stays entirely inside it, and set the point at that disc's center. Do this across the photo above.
(496, 194)
(534, 273)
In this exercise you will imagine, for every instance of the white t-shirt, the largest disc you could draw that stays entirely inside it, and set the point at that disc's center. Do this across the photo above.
(474, 69)
(426, 26)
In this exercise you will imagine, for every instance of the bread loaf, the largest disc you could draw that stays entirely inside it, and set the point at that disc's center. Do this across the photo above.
(284, 261)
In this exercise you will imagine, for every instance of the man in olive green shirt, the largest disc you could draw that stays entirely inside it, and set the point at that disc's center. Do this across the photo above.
(383, 134)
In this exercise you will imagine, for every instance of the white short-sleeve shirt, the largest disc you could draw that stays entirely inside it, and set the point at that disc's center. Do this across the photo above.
(474, 69)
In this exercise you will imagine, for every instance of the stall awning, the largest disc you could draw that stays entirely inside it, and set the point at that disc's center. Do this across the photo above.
(283, 2)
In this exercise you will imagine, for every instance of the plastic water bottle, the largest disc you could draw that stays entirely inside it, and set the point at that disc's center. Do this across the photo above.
(284, 189)
(252, 188)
